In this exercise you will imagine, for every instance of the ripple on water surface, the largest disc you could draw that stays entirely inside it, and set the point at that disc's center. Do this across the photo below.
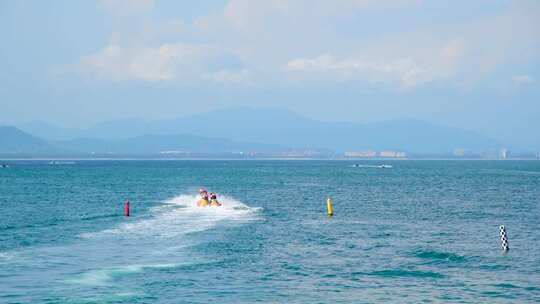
(419, 232)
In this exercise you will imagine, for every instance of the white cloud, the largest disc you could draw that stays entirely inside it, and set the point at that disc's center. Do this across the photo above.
(126, 7)
(522, 79)
(180, 62)
(247, 14)
(316, 39)
(459, 54)
(406, 67)
(405, 72)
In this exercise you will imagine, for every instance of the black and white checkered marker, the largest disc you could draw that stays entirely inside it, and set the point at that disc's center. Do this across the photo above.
(504, 238)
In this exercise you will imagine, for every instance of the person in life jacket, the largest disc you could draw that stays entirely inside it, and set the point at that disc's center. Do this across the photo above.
(203, 202)
(203, 193)
(213, 200)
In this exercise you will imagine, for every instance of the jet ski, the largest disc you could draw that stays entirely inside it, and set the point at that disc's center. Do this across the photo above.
(203, 202)
(207, 200)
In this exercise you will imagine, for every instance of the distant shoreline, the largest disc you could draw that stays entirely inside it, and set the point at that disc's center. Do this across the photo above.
(258, 159)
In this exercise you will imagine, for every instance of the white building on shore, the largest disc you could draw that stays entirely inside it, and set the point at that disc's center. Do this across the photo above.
(392, 154)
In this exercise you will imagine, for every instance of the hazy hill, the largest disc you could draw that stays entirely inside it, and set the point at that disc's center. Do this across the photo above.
(290, 129)
(13, 140)
(159, 143)
(285, 128)
(50, 131)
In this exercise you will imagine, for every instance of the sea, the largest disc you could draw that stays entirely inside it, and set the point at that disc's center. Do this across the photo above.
(414, 231)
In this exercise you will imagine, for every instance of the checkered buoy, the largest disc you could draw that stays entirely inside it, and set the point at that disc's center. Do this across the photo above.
(504, 238)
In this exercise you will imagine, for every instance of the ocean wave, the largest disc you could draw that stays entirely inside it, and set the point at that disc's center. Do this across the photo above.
(100, 277)
(6, 256)
(392, 273)
(438, 256)
(98, 217)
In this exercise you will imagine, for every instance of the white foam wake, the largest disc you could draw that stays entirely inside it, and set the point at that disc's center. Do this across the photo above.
(144, 242)
(157, 239)
(181, 215)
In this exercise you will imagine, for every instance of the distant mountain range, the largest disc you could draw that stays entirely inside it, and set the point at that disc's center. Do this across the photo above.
(168, 144)
(13, 140)
(243, 129)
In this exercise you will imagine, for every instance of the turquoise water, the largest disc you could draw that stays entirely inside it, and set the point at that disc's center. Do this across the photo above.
(421, 231)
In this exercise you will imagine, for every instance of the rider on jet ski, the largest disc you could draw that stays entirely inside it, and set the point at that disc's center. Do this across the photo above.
(213, 200)
(204, 201)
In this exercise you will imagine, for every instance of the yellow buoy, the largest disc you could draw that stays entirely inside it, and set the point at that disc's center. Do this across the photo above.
(329, 207)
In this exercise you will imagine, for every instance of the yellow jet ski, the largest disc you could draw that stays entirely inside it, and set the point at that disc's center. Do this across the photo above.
(203, 202)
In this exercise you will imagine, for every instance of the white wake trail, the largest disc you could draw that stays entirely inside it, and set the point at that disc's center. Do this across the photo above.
(181, 215)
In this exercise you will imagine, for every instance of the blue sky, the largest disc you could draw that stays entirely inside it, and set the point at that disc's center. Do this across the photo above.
(471, 64)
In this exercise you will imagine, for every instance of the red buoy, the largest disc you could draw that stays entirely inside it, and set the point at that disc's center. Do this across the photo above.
(126, 208)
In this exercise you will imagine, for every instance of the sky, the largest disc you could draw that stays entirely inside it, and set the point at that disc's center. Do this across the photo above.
(468, 64)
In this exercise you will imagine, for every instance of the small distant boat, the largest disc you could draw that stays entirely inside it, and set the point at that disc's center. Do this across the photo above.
(4, 166)
(371, 166)
(55, 163)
